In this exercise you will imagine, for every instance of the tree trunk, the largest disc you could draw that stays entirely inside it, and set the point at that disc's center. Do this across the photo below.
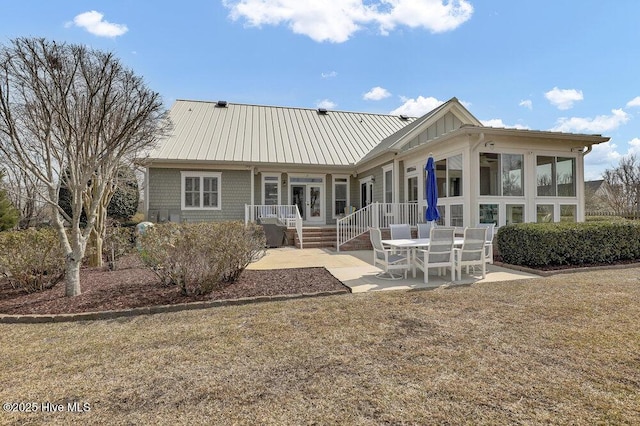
(72, 275)
(96, 240)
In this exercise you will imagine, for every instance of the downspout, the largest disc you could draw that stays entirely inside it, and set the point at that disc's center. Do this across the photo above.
(252, 191)
(582, 213)
(146, 193)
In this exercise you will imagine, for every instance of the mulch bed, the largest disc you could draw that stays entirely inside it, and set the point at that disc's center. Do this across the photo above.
(552, 268)
(133, 286)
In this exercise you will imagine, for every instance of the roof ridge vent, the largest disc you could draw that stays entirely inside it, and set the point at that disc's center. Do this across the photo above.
(221, 104)
(404, 117)
(322, 111)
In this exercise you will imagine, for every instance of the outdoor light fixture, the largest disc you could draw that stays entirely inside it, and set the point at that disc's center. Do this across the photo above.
(490, 144)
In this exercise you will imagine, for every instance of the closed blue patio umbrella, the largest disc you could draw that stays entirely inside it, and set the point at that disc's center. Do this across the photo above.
(431, 189)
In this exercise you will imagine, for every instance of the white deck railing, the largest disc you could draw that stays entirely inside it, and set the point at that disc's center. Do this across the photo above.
(375, 215)
(287, 215)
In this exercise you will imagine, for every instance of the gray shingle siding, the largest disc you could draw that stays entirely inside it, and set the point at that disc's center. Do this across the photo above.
(165, 196)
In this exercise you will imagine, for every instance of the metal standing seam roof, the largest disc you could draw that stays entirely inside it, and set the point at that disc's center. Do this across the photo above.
(240, 133)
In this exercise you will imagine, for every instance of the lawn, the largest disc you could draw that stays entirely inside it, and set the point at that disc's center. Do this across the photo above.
(563, 349)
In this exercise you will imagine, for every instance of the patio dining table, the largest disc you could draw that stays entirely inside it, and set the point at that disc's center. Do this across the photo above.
(416, 243)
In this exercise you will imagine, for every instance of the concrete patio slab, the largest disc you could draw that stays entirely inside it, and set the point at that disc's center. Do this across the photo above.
(355, 269)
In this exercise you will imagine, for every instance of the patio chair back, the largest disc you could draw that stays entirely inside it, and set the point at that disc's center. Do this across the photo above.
(400, 231)
(439, 254)
(388, 261)
(440, 245)
(473, 245)
(376, 242)
(491, 227)
(424, 229)
(472, 252)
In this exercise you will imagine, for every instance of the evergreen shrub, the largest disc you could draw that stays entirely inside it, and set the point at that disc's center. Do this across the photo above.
(554, 244)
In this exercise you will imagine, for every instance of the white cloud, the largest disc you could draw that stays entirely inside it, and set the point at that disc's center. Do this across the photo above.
(599, 124)
(417, 107)
(326, 103)
(635, 102)
(607, 156)
(497, 122)
(337, 20)
(603, 156)
(563, 98)
(93, 22)
(634, 147)
(527, 103)
(376, 94)
(465, 104)
(330, 74)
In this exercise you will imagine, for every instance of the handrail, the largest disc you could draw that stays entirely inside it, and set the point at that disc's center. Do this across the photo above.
(374, 215)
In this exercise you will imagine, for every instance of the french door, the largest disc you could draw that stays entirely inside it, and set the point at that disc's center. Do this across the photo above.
(309, 198)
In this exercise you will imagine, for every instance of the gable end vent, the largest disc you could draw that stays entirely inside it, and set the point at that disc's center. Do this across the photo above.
(322, 111)
(221, 104)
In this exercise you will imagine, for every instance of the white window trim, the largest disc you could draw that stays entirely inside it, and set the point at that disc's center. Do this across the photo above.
(385, 170)
(333, 195)
(366, 180)
(186, 174)
(409, 174)
(277, 176)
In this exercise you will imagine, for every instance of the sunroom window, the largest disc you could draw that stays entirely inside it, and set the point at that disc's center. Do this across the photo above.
(555, 176)
(501, 174)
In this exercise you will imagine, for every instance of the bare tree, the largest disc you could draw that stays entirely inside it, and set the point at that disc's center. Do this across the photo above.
(69, 108)
(24, 195)
(622, 185)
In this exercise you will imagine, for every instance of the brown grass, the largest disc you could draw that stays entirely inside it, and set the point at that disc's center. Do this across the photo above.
(561, 350)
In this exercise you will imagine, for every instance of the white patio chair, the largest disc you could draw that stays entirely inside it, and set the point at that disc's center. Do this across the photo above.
(424, 229)
(438, 255)
(387, 259)
(400, 231)
(472, 252)
(488, 249)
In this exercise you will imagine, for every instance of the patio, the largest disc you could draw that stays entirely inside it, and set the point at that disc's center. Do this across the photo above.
(355, 270)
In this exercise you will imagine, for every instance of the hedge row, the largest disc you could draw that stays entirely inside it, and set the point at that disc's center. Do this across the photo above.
(540, 244)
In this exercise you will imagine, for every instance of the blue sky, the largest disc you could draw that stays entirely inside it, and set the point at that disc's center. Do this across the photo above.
(562, 65)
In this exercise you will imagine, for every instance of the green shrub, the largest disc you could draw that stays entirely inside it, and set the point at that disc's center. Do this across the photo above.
(31, 259)
(541, 244)
(198, 257)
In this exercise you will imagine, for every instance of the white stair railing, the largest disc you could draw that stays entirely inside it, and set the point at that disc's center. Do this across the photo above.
(375, 215)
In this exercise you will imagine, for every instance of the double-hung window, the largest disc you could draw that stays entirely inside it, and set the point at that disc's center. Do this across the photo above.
(271, 189)
(201, 190)
(340, 195)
